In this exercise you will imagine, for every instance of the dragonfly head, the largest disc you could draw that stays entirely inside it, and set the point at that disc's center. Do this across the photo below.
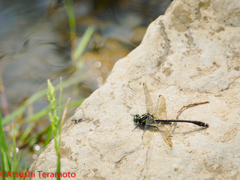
(136, 118)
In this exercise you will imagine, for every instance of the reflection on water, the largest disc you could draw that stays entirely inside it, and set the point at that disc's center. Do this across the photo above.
(35, 44)
(35, 41)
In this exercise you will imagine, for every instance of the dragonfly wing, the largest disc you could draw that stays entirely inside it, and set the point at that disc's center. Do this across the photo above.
(161, 113)
(147, 135)
(148, 131)
(165, 134)
(148, 99)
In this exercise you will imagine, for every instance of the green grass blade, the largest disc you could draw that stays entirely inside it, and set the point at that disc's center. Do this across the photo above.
(46, 110)
(25, 169)
(14, 158)
(60, 102)
(20, 110)
(26, 132)
(39, 114)
(3, 142)
(69, 7)
(75, 103)
(5, 161)
(38, 95)
(34, 138)
(58, 165)
(18, 161)
(48, 137)
(83, 43)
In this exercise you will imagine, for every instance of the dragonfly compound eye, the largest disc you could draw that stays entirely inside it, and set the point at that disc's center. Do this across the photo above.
(135, 119)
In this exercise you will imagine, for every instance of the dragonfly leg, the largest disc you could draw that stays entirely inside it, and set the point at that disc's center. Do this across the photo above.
(136, 127)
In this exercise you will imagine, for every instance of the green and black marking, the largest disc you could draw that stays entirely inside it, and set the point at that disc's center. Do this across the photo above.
(141, 120)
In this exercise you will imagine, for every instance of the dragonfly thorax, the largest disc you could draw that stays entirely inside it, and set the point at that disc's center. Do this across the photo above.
(141, 120)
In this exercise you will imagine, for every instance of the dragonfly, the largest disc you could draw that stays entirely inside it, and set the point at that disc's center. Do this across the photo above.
(152, 120)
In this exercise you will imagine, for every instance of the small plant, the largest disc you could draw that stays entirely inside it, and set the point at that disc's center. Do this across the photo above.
(9, 164)
(55, 122)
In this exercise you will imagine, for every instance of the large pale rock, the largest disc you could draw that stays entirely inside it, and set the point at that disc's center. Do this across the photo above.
(190, 54)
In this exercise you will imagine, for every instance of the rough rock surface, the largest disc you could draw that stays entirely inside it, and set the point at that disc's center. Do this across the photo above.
(190, 54)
